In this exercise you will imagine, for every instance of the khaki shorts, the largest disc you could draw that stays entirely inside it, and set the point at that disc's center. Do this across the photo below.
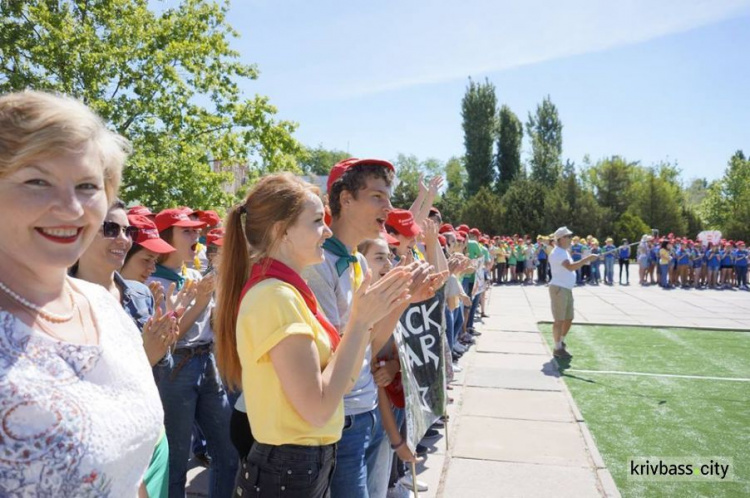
(562, 303)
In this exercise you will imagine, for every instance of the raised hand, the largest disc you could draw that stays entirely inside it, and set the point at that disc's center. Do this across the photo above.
(435, 183)
(159, 333)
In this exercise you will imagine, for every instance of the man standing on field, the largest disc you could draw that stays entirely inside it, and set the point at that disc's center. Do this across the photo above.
(561, 288)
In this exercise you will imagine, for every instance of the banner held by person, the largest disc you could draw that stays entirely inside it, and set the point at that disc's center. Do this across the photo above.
(420, 348)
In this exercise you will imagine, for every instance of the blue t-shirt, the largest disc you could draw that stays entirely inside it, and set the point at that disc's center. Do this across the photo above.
(726, 257)
(683, 256)
(713, 259)
(697, 257)
(740, 258)
(576, 252)
(624, 252)
(541, 253)
(654, 255)
(609, 248)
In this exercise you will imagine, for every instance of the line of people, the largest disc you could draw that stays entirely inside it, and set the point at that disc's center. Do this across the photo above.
(131, 338)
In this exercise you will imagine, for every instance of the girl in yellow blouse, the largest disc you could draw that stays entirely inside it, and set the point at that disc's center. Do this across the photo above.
(293, 366)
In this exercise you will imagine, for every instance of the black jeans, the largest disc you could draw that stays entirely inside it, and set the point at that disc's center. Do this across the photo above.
(287, 470)
(542, 271)
(625, 263)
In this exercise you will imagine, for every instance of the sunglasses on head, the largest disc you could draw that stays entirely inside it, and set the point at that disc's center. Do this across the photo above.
(113, 230)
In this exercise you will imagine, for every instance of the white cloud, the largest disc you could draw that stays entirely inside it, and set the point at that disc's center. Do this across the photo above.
(349, 49)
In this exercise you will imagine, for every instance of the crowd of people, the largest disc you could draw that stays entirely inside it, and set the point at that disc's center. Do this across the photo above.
(665, 261)
(262, 344)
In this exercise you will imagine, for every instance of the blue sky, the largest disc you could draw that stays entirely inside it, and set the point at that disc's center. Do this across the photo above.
(647, 80)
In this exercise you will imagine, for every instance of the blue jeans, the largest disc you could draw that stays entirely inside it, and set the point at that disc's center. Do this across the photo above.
(458, 322)
(449, 332)
(664, 275)
(595, 271)
(358, 472)
(468, 285)
(196, 394)
(609, 270)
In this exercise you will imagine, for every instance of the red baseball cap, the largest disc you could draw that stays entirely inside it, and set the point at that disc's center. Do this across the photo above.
(393, 241)
(148, 235)
(176, 218)
(403, 222)
(476, 232)
(210, 218)
(463, 228)
(340, 168)
(140, 210)
(460, 236)
(442, 240)
(446, 227)
(216, 237)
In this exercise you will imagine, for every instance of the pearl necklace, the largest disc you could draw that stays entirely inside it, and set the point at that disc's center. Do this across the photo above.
(46, 315)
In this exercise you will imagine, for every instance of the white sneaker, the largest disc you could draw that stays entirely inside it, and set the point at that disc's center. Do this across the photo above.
(399, 491)
(457, 367)
(406, 482)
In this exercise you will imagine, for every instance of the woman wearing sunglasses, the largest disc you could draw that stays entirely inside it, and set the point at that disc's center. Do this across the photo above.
(74, 380)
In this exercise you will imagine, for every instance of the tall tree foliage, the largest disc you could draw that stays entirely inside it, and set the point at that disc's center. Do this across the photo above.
(509, 138)
(611, 180)
(319, 160)
(727, 205)
(524, 208)
(658, 201)
(544, 129)
(167, 80)
(478, 113)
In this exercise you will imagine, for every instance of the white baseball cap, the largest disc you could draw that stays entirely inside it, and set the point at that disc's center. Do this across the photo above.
(562, 232)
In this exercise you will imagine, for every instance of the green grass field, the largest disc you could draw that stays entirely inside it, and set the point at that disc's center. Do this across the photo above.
(631, 416)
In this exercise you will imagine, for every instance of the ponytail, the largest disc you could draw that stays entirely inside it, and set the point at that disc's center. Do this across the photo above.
(232, 275)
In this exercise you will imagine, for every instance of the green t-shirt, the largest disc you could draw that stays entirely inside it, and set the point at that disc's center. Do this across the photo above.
(473, 251)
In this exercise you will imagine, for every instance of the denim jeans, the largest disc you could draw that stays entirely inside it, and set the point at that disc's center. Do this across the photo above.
(664, 275)
(609, 270)
(287, 470)
(449, 333)
(468, 285)
(196, 394)
(358, 472)
(458, 323)
(595, 272)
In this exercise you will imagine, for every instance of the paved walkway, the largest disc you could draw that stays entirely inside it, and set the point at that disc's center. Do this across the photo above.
(514, 429)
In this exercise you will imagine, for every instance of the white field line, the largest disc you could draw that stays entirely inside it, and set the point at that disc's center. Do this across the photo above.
(644, 374)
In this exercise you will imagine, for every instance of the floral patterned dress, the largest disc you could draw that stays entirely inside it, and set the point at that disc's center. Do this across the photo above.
(76, 420)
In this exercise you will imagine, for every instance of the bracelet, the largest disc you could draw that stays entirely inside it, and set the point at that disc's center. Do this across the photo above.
(399, 445)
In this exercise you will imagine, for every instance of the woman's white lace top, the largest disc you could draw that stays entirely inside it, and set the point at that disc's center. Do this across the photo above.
(76, 420)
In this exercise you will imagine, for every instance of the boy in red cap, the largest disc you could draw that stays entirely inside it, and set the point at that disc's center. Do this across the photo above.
(359, 193)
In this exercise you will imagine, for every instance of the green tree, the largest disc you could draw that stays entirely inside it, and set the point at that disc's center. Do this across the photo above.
(544, 128)
(611, 180)
(510, 136)
(571, 205)
(167, 80)
(451, 202)
(478, 113)
(524, 208)
(319, 161)
(629, 226)
(696, 191)
(726, 205)
(408, 171)
(658, 202)
(483, 211)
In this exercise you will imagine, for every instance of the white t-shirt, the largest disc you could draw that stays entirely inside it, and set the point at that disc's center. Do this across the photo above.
(561, 277)
(78, 420)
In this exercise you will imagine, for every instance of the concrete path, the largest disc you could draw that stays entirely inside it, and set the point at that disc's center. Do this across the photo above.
(514, 429)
